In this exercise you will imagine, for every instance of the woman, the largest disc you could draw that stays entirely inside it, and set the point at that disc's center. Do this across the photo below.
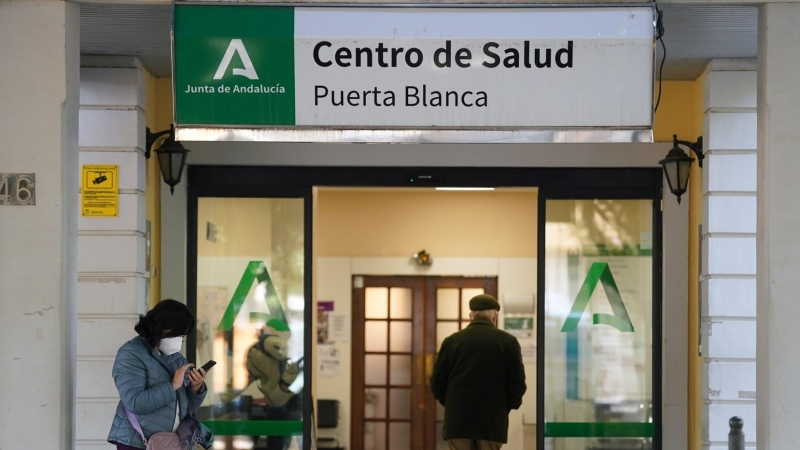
(155, 382)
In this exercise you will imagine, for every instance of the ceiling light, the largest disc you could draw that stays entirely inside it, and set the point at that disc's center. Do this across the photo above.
(464, 188)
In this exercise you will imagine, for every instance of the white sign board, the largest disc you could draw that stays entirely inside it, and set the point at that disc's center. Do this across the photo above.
(468, 67)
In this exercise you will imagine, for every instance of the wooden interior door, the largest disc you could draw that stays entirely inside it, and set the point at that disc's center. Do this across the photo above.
(398, 326)
(446, 312)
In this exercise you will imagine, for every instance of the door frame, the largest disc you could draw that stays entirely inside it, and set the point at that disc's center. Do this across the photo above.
(266, 181)
(606, 193)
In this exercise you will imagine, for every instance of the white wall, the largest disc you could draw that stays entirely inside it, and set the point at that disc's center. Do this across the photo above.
(39, 73)
(728, 271)
(334, 275)
(112, 279)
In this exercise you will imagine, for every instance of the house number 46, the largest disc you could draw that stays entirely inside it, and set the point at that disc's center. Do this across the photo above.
(17, 189)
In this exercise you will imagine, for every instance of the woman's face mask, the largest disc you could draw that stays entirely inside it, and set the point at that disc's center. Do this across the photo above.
(171, 345)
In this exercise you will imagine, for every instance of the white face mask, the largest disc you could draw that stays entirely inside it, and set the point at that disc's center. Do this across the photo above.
(171, 345)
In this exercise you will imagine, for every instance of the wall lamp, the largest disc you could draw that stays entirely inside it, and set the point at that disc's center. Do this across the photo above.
(677, 164)
(171, 156)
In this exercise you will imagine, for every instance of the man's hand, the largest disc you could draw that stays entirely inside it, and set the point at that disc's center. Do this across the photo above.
(290, 373)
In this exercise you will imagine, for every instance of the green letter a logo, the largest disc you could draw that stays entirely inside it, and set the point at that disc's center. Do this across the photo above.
(256, 271)
(599, 272)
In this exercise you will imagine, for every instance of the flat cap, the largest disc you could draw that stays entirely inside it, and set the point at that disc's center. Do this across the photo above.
(482, 302)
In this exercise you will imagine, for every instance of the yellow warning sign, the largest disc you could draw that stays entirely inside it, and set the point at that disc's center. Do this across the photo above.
(99, 191)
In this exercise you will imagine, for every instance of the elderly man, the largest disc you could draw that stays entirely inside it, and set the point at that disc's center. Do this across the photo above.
(479, 378)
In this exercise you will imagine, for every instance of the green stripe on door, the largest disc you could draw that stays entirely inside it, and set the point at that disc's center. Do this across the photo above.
(255, 427)
(599, 429)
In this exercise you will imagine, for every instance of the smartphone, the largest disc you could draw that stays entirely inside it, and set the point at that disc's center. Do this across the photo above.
(207, 366)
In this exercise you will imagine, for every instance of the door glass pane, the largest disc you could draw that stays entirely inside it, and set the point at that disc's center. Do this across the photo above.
(598, 324)
(375, 335)
(399, 403)
(375, 403)
(401, 303)
(444, 329)
(256, 244)
(377, 303)
(466, 296)
(399, 436)
(401, 336)
(447, 304)
(375, 369)
(375, 436)
(400, 370)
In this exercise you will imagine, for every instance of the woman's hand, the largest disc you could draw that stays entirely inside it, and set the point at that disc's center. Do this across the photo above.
(196, 378)
(180, 375)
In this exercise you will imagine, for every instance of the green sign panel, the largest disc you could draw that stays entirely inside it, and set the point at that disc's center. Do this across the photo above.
(599, 273)
(236, 64)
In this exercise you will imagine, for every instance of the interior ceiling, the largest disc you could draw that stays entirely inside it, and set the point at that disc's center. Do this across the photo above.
(694, 35)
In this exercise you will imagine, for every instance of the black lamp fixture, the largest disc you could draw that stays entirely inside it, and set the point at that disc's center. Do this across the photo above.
(171, 156)
(677, 164)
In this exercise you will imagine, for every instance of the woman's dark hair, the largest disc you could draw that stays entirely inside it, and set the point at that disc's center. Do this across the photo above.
(169, 318)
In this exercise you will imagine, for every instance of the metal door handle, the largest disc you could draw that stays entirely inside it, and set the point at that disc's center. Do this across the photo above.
(428, 369)
(419, 369)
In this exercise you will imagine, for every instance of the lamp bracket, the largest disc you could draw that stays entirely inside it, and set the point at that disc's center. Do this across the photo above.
(151, 138)
(697, 147)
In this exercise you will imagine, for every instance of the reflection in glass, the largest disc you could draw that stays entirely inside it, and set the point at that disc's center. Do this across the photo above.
(447, 303)
(399, 436)
(377, 303)
(375, 335)
(400, 337)
(400, 370)
(401, 303)
(375, 403)
(257, 243)
(443, 330)
(466, 296)
(375, 436)
(598, 346)
(375, 369)
(399, 403)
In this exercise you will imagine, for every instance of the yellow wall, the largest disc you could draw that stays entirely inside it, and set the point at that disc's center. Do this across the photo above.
(158, 116)
(695, 219)
(681, 113)
(391, 223)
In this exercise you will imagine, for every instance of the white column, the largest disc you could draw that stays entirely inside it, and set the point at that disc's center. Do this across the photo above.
(728, 272)
(778, 225)
(112, 279)
(39, 48)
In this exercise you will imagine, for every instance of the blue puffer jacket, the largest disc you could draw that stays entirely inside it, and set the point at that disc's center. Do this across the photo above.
(144, 381)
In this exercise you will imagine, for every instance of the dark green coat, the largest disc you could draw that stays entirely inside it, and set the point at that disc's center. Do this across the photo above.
(479, 378)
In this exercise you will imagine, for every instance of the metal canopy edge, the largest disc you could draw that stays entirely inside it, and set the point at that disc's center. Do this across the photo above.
(415, 136)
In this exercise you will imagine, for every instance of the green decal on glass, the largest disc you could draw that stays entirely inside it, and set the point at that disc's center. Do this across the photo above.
(599, 272)
(599, 429)
(234, 66)
(256, 271)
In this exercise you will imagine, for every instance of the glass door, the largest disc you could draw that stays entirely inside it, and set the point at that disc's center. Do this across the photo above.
(600, 323)
(248, 283)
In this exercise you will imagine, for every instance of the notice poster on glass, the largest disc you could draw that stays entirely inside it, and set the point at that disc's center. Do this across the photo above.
(324, 308)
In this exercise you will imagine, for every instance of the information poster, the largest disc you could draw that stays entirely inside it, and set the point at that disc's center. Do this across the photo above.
(99, 191)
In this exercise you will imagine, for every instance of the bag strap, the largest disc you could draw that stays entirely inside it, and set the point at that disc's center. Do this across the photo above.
(135, 422)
